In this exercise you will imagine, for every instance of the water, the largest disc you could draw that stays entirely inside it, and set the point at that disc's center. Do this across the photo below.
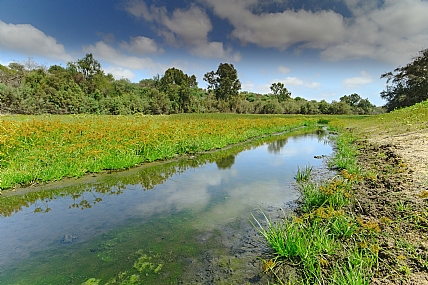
(181, 222)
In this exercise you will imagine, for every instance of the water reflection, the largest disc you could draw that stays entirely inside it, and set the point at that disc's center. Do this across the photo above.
(226, 162)
(276, 146)
(87, 194)
(253, 176)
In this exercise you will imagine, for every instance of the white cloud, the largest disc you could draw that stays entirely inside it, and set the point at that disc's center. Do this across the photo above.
(188, 27)
(313, 85)
(284, 69)
(105, 52)
(289, 81)
(281, 29)
(119, 72)
(356, 82)
(215, 50)
(248, 86)
(393, 32)
(141, 45)
(27, 39)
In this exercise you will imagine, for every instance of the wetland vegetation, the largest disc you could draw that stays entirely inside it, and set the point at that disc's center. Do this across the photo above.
(367, 225)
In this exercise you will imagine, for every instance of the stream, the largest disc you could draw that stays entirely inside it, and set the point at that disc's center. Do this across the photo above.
(185, 221)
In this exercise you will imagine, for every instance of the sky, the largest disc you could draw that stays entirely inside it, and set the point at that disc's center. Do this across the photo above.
(320, 50)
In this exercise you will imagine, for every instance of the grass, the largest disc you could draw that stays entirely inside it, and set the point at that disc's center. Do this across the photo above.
(303, 174)
(36, 149)
(326, 242)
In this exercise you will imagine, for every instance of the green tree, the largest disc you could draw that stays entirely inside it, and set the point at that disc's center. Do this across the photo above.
(17, 66)
(407, 85)
(177, 85)
(358, 105)
(340, 108)
(224, 82)
(280, 91)
(87, 73)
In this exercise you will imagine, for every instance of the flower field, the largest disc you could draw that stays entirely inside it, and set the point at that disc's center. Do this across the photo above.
(35, 149)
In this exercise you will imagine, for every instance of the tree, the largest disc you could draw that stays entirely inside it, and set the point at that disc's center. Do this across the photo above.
(358, 105)
(407, 85)
(87, 73)
(339, 108)
(224, 82)
(177, 85)
(280, 91)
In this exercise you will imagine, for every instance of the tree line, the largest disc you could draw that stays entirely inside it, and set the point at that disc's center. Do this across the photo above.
(83, 87)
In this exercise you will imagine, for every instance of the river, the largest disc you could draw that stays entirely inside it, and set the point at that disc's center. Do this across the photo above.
(186, 221)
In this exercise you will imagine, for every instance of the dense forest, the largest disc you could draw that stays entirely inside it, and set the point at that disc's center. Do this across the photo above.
(83, 87)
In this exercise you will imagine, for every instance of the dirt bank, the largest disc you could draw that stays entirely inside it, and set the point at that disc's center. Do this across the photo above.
(395, 196)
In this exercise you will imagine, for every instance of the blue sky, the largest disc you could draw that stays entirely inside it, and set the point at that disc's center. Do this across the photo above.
(318, 49)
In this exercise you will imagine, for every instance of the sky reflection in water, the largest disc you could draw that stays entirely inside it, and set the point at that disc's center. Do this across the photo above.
(216, 193)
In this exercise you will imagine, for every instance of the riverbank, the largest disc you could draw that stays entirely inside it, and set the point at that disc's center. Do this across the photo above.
(46, 148)
(369, 225)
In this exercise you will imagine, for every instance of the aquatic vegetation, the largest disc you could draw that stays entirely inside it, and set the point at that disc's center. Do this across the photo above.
(303, 174)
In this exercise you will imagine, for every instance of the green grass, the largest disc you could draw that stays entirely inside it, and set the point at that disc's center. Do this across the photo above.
(303, 174)
(38, 149)
(325, 244)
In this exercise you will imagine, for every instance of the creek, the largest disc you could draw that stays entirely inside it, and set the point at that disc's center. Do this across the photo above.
(186, 221)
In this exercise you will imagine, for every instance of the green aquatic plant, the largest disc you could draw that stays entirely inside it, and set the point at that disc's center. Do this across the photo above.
(303, 174)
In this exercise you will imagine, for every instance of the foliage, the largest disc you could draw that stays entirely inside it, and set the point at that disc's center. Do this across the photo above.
(407, 85)
(177, 85)
(280, 91)
(358, 105)
(303, 174)
(224, 82)
(83, 87)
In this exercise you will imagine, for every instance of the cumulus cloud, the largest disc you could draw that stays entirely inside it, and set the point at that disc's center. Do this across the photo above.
(248, 86)
(141, 45)
(288, 81)
(313, 85)
(282, 29)
(105, 52)
(119, 72)
(27, 39)
(391, 31)
(284, 69)
(356, 82)
(188, 27)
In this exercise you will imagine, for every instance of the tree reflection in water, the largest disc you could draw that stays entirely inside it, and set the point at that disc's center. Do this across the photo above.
(85, 195)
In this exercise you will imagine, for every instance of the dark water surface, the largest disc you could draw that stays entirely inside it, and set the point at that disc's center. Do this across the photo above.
(180, 222)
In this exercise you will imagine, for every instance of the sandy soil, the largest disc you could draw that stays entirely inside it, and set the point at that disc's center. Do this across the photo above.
(412, 148)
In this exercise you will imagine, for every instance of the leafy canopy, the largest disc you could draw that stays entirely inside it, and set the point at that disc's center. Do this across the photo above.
(407, 85)
(224, 81)
(279, 90)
